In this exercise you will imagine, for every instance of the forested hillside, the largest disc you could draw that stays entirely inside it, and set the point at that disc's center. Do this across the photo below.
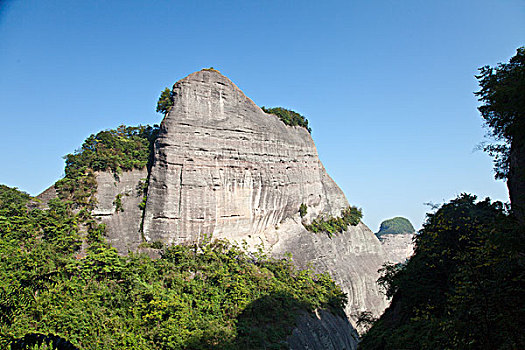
(60, 280)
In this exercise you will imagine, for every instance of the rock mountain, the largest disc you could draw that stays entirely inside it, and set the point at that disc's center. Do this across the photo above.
(225, 169)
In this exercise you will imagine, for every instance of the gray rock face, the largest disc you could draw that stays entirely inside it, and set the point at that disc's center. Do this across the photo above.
(398, 247)
(122, 226)
(224, 167)
(323, 330)
(351, 258)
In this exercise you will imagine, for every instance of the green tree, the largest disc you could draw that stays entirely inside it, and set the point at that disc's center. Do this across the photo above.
(503, 96)
(165, 101)
(56, 286)
(395, 225)
(288, 117)
(462, 287)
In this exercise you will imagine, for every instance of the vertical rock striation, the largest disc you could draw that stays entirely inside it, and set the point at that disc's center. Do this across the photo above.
(122, 224)
(224, 168)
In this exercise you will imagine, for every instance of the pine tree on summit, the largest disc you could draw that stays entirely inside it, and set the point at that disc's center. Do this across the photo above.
(165, 101)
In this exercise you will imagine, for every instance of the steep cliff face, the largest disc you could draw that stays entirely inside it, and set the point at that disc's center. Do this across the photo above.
(352, 259)
(398, 247)
(322, 330)
(123, 221)
(226, 169)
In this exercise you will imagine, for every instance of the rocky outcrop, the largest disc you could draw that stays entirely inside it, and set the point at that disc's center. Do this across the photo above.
(123, 222)
(352, 259)
(224, 168)
(322, 330)
(47, 195)
(397, 247)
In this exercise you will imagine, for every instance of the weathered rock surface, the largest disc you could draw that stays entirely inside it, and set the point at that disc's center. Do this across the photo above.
(47, 195)
(397, 247)
(122, 226)
(323, 330)
(352, 259)
(225, 168)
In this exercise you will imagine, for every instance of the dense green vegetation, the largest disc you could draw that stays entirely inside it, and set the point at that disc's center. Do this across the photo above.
(331, 225)
(288, 117)
(394, 226)
(462, 289)
(165, 101)
(193, 297)
(124, 148)
(503, 109)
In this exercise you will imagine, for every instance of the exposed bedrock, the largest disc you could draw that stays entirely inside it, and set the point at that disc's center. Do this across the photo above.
(122, 221)
(398, 247)
(224, 168)
(322, 330)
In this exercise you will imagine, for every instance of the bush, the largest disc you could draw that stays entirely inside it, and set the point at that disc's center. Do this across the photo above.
(124, 148)
(331, 225)
(288, 117)
(303, 208)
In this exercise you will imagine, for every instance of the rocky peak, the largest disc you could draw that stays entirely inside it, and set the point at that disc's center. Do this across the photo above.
(225, 168)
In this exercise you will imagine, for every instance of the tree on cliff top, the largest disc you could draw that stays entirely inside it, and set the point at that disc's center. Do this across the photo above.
(503, 110)
(165, 101)
(395, 225)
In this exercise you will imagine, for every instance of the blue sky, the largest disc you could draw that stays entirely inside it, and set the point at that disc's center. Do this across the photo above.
(386, 85)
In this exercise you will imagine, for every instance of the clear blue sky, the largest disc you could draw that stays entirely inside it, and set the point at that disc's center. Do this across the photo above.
(386, 85)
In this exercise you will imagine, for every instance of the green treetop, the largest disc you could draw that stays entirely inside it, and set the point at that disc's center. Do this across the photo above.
(397, 225)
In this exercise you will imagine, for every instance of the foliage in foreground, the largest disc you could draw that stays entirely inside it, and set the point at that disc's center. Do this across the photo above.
(503, 96)
(397, 225)
(288, 117)
(331, 225)
(193, 297)
(462, 289)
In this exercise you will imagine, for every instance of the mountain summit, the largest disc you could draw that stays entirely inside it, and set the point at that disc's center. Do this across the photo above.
(222, 168)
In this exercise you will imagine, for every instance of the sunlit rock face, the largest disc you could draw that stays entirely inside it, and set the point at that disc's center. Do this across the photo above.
(122, 223)
(224, 168)
(398, 247)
